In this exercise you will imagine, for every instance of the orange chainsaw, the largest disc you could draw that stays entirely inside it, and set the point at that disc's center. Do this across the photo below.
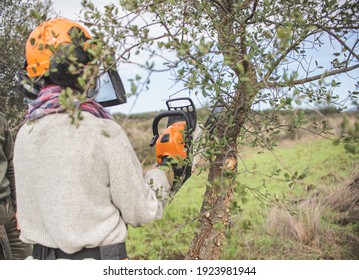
(174, 144)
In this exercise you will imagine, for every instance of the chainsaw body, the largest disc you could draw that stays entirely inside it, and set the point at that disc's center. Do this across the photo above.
(171, 143)
(174, 143)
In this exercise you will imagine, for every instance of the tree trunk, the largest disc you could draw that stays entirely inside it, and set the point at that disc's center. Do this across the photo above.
(207, 244)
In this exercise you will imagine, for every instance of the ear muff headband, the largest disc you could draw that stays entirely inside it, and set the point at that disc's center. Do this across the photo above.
(61, 72)
(67, 55)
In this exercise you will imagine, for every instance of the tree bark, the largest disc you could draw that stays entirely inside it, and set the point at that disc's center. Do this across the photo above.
(207, 244)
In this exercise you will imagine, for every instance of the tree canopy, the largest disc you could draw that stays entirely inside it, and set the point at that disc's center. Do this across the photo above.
(18, 18)
(237, 54)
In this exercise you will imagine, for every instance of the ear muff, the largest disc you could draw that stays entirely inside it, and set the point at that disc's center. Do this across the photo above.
(30, 87)
(66, 64)
(69, 59)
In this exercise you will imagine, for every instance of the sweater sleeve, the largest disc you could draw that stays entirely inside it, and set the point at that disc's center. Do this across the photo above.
(139, 198)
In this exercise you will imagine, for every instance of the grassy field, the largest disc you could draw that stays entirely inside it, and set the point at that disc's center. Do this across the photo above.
(293, 203)
(301, 224)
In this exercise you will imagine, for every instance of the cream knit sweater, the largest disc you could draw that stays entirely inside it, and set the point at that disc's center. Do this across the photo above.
(79, 186)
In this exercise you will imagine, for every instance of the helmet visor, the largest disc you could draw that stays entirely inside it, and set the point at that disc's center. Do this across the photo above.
(110, 89)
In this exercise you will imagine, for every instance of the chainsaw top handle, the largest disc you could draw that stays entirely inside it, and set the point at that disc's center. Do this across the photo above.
(184, 104)
(166, 114)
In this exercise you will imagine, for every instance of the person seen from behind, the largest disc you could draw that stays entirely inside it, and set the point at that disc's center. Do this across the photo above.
(79, 186)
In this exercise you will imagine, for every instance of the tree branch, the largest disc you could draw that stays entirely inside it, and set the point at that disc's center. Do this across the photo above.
(284, 54)
(253, 12)
(338, 39)
(308, 79)
(220, 5)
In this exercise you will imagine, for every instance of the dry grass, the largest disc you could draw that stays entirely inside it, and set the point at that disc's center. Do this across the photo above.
(326, 224)
(303, 227)
(346, 199)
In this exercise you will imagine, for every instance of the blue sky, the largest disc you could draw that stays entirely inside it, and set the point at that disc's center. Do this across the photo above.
(161, 86)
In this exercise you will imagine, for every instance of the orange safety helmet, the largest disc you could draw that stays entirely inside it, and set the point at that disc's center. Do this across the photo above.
(44, 39)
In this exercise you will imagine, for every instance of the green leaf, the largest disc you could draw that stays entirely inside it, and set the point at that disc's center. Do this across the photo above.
(105, 133)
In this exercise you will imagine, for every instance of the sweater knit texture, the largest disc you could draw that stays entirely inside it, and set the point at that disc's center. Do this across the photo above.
(79, 187)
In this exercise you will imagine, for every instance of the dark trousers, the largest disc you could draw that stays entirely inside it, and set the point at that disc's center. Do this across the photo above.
(11, 247)
(108, 252)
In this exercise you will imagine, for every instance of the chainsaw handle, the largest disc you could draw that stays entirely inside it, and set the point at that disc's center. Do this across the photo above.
(186, 105)
(168, 102)
(162, 115)
(165, 114)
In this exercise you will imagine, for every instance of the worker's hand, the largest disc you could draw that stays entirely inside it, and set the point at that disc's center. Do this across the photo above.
(168, 169)
(170, 175)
